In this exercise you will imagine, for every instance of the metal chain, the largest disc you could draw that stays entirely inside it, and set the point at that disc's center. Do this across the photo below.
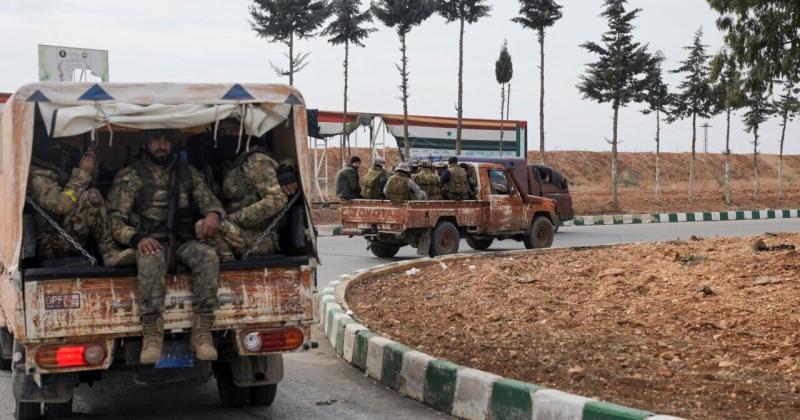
(61, 231)
(271, 226)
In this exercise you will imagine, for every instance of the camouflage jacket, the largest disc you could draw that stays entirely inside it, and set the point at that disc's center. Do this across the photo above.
(45, 188)
(251, 190)
(128, 215)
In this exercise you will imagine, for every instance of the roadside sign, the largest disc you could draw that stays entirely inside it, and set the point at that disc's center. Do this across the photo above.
(68, 64)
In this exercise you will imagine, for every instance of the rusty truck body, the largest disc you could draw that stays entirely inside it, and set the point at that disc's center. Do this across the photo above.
(501, 210)
(64, 322)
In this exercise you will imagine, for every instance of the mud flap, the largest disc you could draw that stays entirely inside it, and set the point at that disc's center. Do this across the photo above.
(26, 389)
(257, 370)
(424, 244)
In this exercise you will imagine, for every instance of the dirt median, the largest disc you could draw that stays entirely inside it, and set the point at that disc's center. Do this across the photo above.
(699, 329)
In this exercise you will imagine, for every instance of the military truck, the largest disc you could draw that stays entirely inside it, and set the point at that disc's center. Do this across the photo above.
(67, 321)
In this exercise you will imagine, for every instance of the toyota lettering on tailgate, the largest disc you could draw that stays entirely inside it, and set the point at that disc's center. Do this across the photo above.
(68, 301)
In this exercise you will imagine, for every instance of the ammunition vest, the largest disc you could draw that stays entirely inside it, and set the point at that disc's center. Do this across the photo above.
(371, 185)
(428, 182)
(397, 189)
(458, 185)
(187, 211)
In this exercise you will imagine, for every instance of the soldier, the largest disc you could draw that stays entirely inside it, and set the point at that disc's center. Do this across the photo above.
(375, 180)
(347, 186)
(428, 181)
(401, 187)
(454, 182)
(67, 199)
(139, 208)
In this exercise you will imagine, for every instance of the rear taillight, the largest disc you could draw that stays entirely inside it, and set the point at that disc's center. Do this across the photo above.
(284, 339)
(70, 356)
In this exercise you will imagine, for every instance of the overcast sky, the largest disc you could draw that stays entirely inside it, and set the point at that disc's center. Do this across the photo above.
(211, 41)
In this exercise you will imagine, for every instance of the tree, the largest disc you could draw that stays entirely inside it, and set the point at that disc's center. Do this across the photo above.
(503, 71)
(657, 98)
(347, 29)
(621, 73)
(786, 107)
(403, 15)
(759, 111)
(463, 11)
(540, 15)
(695, 97)
(284, 20)
(729, 97)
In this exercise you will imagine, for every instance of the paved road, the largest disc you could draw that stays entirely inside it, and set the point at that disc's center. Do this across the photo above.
(318, 384)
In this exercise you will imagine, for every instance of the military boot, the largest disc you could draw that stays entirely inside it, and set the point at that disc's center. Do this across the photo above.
(152, 340)
(202, 342)
(119, 257)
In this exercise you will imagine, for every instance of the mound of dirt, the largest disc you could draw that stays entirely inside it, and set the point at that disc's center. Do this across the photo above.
(708, 328)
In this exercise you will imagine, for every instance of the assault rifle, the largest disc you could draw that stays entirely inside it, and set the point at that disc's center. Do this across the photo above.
(172, 214)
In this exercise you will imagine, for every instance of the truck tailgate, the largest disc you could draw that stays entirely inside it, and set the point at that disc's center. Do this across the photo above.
(365, 214)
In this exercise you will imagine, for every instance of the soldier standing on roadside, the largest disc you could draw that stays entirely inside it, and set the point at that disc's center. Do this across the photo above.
(139, 208)
(375, 180)
(401, 187)
(455, 184)
(428, 181)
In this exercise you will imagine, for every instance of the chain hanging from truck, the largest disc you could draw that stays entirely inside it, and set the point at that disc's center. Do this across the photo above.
(61, 231)
(271, 226)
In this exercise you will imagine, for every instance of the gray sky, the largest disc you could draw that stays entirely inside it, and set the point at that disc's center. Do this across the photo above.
(211, 41)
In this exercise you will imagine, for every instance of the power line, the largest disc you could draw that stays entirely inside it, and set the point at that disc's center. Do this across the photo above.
(706, 126)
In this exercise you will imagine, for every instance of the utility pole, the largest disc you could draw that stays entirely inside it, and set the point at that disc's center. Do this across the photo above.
(706, 126)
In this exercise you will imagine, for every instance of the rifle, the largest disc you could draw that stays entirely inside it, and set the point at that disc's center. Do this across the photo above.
(172, 212)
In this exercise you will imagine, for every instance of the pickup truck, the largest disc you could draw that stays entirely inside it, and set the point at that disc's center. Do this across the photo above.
(67, 321)
(500, 211)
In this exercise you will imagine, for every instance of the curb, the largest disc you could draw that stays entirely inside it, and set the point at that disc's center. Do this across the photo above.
(453, 389)
(329, 230)
(705, 216)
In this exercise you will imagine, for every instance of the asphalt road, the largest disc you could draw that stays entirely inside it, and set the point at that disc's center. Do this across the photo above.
(317, 383)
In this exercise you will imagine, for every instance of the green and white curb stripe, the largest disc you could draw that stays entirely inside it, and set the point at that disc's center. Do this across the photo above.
(706, 216)
(457, 390)
(329, 230)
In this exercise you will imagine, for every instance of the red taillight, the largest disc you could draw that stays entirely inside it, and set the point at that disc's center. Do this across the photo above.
(70, 356)
(285, 339)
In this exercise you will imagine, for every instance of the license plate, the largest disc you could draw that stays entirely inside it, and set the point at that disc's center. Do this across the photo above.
(175, 354)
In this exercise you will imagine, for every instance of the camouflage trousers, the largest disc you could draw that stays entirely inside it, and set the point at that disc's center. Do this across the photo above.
(234, 240)
(87, 220)
(201, 259)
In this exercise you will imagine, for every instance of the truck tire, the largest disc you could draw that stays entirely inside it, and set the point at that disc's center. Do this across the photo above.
(383, 251)
(28, 410)
(479, 244)
(58, 410)
(263, 395)
(540, 235)
(230, 395)
(445, 239)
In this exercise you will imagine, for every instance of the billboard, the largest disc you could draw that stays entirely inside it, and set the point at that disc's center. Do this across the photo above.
(67, 64)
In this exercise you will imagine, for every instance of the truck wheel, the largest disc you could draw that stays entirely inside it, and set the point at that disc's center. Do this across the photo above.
(58, 410)
(263, 395)
(28, 410)
(541, 234)
(445, 239)
(230, 395)
(479, 244)
(383, 251)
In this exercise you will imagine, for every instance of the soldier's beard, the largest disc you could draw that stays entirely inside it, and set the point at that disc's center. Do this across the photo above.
(160, 161)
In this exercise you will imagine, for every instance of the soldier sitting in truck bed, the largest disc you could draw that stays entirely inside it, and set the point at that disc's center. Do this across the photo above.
(401, 187)
(454, 181)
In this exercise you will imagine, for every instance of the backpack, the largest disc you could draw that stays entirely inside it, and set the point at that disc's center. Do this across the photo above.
(371, 185)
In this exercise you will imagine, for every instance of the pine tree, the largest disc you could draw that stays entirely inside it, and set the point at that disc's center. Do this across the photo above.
(728, 98)
(403, 15)
(759, 111)
(657, 99)
(503, 71)
(284, 21)
(786, 108)
(695, 98)
(540, 15)
(462, 11)
(347, 29)
(621, 74)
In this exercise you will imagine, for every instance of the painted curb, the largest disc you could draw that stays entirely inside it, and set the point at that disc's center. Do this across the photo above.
(453, 389)
(703, 216)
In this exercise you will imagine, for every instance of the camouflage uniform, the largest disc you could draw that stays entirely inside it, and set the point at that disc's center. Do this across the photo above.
(428, 182)
(134, 216)
(455, 182)
(253, 198)
(78, 209)
(402, 188)
(373, 183)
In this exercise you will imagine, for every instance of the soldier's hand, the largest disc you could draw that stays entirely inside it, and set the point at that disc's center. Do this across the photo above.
(149, 246)
(211, 224)
(88, 160)
(287, 179)
(289, 189)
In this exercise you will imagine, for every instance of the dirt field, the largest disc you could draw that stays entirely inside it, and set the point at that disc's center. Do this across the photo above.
(704, 329)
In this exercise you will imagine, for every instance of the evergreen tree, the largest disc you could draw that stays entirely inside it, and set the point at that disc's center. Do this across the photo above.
(347, 29)
(729, 97)
(786, 108)
(462, 11)
(759, 111)
(695, 98)
(403, 15)
(284, 21)
(540, 15)
(657, 99)
(503, 71)
(621, 73)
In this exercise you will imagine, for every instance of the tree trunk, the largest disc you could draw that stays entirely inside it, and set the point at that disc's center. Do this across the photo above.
(755, 163)
(291, 61)
(691, 163)
(502, 116)
(541, 99)
(508, 102)
(404, 89)
(727, 182)
(658, 155)
(780, 156)
(460, 87)
(344, 113)
(614, 158)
